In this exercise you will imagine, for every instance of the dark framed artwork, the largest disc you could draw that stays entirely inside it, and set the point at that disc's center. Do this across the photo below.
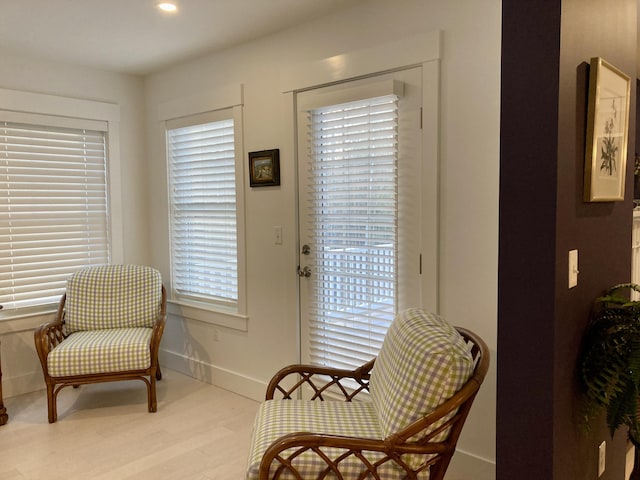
(264, 168)
(607, 133)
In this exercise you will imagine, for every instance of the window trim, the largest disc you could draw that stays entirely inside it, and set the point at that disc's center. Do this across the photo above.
(223, 98)
(16, 102)
(424, 50)
(398, 55)
(421, 50)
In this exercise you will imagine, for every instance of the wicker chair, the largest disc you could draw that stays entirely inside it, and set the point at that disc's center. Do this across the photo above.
(108, 328)
(425, 379)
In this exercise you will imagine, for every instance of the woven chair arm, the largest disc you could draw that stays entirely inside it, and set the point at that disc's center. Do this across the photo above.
(158, 326)
(325, 380)
(46, 337)
(287, 448)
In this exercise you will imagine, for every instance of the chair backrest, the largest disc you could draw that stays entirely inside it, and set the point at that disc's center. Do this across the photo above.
(112, 296)
(423, 362)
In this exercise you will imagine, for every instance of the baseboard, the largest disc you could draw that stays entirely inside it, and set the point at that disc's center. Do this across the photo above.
(21, 384)
(220, 377)
(232, 381)
(465, 466)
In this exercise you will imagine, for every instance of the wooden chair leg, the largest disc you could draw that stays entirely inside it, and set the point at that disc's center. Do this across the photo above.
(51, 403)
(158, 373)
(151, 393)
(3, 410)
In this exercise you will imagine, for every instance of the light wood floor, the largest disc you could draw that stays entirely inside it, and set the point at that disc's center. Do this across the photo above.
(104, 432)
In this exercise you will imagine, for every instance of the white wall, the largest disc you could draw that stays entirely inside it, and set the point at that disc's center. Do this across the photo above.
(20, 367)
(243, 361)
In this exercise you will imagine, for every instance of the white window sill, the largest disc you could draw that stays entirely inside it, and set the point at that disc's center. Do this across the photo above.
(17, 321)
(208, 315)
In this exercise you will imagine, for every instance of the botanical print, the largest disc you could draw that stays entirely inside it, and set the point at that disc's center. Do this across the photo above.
(607, 130)
(610, 142)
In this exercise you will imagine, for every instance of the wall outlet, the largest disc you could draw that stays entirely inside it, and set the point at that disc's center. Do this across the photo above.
(602, 457)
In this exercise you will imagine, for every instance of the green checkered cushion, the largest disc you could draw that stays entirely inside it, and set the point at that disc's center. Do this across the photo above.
(423, 362)
(112, 296)
(279, 417)
(100, 351)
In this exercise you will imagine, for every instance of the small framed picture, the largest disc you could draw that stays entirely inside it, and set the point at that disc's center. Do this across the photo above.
(607, 133)
(264, 168)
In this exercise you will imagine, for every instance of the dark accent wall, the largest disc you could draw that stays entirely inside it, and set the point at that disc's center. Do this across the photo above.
(526, 262)
(546, 49)
(600, 231)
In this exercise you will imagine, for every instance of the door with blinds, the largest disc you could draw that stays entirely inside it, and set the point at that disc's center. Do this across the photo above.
(359, 169)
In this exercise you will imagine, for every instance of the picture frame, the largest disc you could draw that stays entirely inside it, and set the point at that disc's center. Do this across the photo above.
(607, 132)
(264, 168)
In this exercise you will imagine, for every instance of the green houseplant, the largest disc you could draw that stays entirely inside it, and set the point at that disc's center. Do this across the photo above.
(610, 361)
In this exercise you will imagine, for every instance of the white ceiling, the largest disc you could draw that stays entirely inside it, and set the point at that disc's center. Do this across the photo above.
(133, 36)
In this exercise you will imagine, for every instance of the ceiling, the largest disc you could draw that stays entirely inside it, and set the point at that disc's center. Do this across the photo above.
(135, 37)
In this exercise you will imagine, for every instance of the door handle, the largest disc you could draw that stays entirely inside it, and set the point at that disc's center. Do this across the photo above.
(304, 272)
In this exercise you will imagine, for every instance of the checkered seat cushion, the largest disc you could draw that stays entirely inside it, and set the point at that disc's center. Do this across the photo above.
(101, 351)
(279, 417)
(112, 296)
(423, 362)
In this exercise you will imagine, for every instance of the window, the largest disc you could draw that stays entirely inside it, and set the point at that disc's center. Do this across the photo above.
(203, 209)
(53, 206)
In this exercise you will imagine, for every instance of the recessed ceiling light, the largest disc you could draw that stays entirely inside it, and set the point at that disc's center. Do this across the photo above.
(167, 7)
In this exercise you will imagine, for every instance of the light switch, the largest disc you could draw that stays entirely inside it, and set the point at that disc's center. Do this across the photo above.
(573, 268)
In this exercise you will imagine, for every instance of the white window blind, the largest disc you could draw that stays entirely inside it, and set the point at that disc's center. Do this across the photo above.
(354, 205)
(204, 243)
(53, 209)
